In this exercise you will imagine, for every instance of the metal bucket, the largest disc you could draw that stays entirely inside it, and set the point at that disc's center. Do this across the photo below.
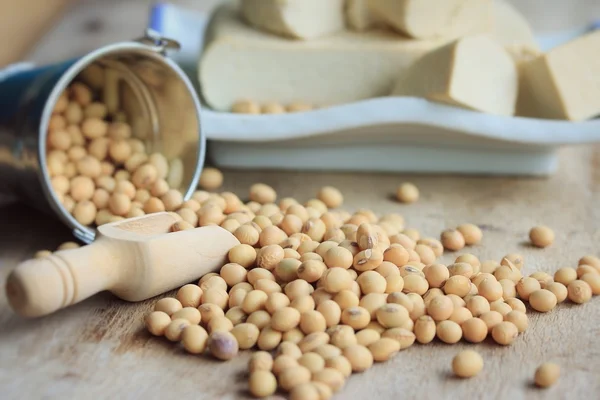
(163, 110)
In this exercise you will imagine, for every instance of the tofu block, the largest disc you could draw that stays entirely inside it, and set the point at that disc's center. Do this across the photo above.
(465, 17)
(299, 19)
(420, 19)
(511, 29)
(471, 17)
(240, 62)
(564, 83)
(474, 72)
(360, 17)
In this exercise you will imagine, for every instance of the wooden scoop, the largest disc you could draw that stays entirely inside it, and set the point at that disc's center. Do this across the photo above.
(135, 259)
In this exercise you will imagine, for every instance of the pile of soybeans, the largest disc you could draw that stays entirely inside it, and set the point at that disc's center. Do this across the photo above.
(319, 292)
(322, 293)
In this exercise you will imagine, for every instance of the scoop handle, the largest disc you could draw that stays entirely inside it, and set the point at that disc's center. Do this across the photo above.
(42, 286)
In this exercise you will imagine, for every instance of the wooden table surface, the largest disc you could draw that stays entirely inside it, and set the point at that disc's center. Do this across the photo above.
(99, 349)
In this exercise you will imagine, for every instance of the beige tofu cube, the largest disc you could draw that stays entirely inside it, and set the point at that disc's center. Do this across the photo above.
(564, 83)
(474, 72)
(300, 19)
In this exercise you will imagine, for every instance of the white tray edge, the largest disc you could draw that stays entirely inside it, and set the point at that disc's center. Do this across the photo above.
(398, 111)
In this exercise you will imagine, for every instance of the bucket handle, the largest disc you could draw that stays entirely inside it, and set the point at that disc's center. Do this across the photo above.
(157, 42)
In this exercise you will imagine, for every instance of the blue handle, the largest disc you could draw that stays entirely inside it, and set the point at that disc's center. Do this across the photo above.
(157, 15)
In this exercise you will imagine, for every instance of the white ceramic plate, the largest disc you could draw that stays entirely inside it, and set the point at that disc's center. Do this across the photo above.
(384, 134)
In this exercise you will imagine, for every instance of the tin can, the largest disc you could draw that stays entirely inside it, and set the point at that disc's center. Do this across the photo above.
(158, 100)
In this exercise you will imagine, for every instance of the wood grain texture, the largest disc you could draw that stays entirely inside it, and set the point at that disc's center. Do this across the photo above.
(98, 348)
